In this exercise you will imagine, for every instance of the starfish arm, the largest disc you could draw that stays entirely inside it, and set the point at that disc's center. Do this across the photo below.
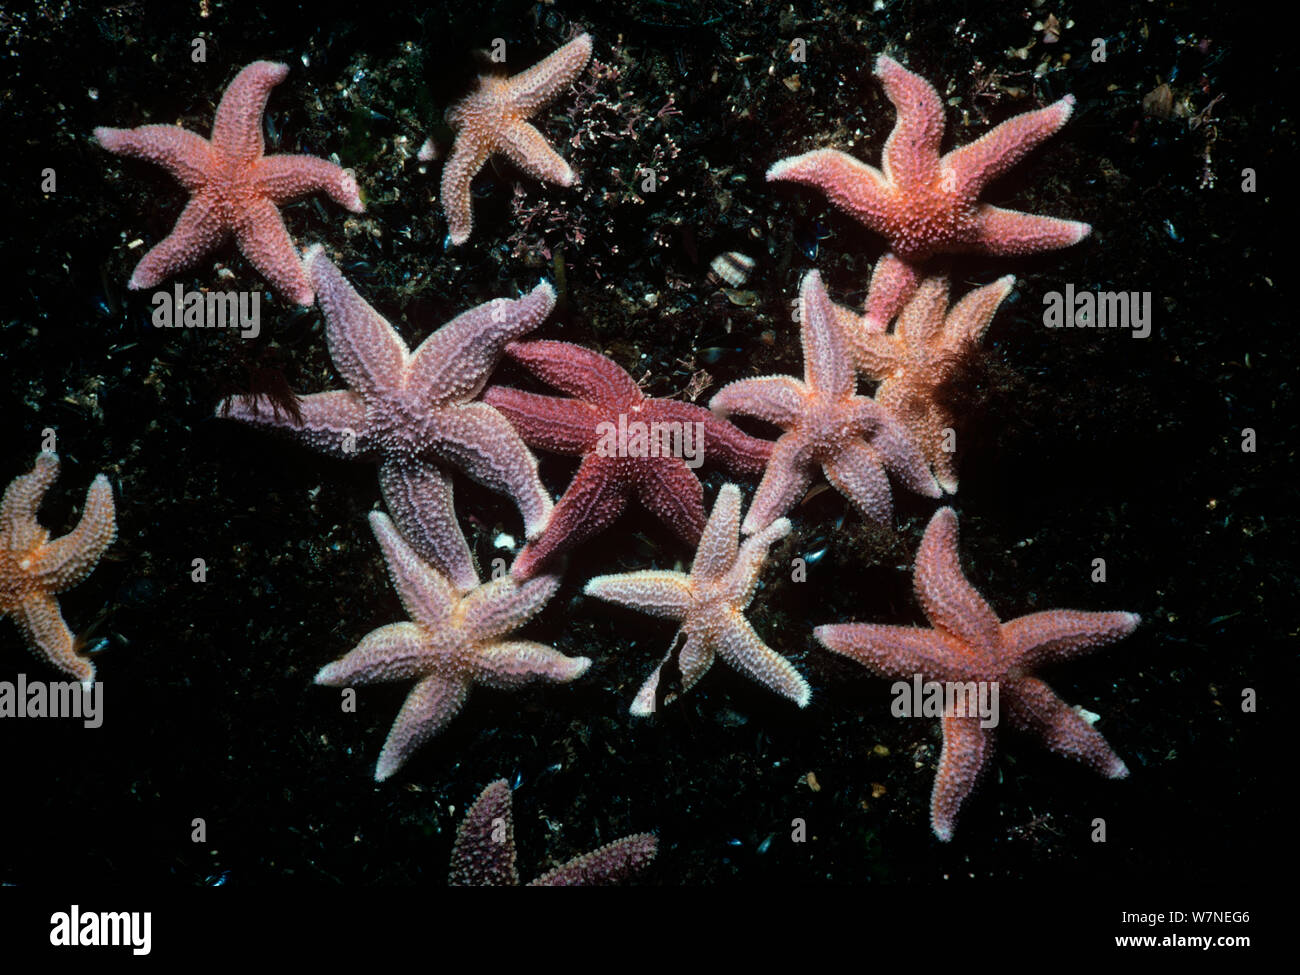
(66, 561)
(282, 179)
(528, 149)
(237, 131)
(719, 441)
(875, 354)
(593, 502)
(895, 652)
(514, 663)
(426, 594)
(366, 350)
(1034, 707)
(741, 647)
(856, 472)
(577, 371)
(333, 422)
(562, 426)
(967, 751)
(911, 153)
(778, 400)
(502, 605)
(467, 157)
(922, 318)
(482, 443)
(421, 499)
(454, 363)
(969, 319)
(188, 157)
(654, 591)
(751, 558)
(1060, 634)
(18, 524)
(482, 857)
(1010, 232)
(860, 190)
(198, 230)
(719, 540)
(610, 864)
(263, 239)
(889, 441)
(788, 475)
(951, 604)
(923, 423)
(41, 623)
(429, 707)
(980, 162)
(828, 365)
(669, 490)
(537, 86)
(892, 284)
(397, 651)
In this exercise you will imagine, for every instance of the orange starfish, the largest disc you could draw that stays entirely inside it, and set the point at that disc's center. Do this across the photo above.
(33, 569)
(493, 119)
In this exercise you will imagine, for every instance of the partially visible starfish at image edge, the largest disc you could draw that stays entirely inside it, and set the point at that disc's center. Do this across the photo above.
(852, 438)
(710, 604)
(606, 400)
(453, 641)
(34, 568)
(235, 189)
(493, 119)
(966, 642)
(925, 204)
(484, 852)
(412, 411)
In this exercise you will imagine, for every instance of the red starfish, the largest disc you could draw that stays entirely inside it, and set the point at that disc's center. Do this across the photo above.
(235, 189)
(611, 426)
(968, 644)
(925, 204)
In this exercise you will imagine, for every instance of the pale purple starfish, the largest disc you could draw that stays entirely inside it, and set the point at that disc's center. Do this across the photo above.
(411, 410)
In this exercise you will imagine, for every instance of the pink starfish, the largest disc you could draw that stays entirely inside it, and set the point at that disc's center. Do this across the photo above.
(967, 643)
(411, 409)
(235, 190)
(926, 204)
(852, 438)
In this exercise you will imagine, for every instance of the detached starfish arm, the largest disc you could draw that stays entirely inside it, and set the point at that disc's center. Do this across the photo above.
(554, 423)
(421, 499)
(856, 472)
(514, 663)
(610, 864)
(286, 178)
(66, 561)
(969, 319)
(535, 87)
(994, 153)
(855, 187)
(577, 371)
(742, 648)
(778, 400)
(528, 149)
(333, 422)
(911, 153)
(951, 604)
(591, 504)
(503, 605)
(672, 493)
(1010, 232)
(892, 282)
(467, 157)
(751, 558)
(653, 591)
(922, 318)
(21, 499)
(245, 99)
(1060, 634)
(263, 238)
(426, 594)
(40, 621)
(477, 859)
(828, 367)
(789, 472)
(397, 651)
(199, 223)
(967, 751)
(431, 704)
(1035, 707)
(724, 443)
(895, 652)
(719, 542)
(188, 157)
(365, 349)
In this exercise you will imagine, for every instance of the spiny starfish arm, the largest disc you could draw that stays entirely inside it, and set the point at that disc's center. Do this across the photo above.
(40, 621)
(198, 229)
(467, 157)
(876, 355)
(724, 443)
(828, 367)
(1060, 634)
(593, 502)
(860, 190)
(237, 130)
(719, 540)
(263, 238)
(482, 443)
(426, 594)
(669, 490)
(924, 421)
(856, 472)
(396, 651)
(969, 319)
(578, 371)
(895, 652)
(653, 591)
(431, 704)
(502, 605)
(66, 561)
(778, 400)
(1010, 232)
(562, 426)
(18, 525)
(922, 317)
(528, 149)
(892, 283)
(454, 363)
(610, 864)
(751, 558)
(967, 751)
(980, 162)
(537, 86)
(285, 178)
(333, 422)
(514, 663)
(484, 852)
(742, 648)
(788, 475)
(366, 350)
(1035, 707)
(421, 499)
(893, 446)
(694, 659)
(911, 154)
(950, 603)
(188, 157)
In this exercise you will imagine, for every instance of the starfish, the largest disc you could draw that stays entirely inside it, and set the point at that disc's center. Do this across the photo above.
(33, 569)
(967, 643)
(493, 119)
(710, 604)
(853, 438)
(912, 363)
(409, 409)
(626, 442)
(484, 853)
(454, 641)
(925, 204)
(235, 189)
